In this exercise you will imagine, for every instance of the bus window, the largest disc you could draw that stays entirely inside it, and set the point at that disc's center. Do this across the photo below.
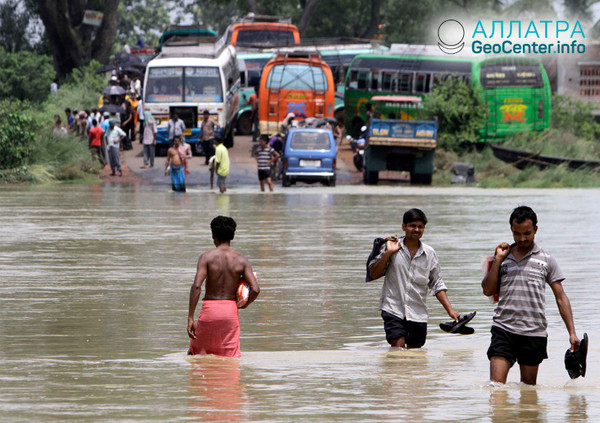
(203, 85)
(387, 82)
(252, 37)
(164, 85)
(375, 81)
(297, 77)
(405, 83)
(362, 80)
(353, 80)
(423, 84)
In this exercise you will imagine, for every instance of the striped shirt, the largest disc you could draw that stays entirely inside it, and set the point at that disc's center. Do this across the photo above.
(264, 156)
(408, 281)
(522, 301)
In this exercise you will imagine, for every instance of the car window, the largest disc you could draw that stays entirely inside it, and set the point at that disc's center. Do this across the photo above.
(310, 141)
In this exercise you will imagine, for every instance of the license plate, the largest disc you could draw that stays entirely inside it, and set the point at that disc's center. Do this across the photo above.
(310, 163)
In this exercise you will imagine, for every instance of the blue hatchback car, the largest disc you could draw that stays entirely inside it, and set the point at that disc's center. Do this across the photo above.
(309, 155)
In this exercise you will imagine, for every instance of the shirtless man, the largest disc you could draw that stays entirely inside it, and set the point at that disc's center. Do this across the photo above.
(218, 328)
(176, 165)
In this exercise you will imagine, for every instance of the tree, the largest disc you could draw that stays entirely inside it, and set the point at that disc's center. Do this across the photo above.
(13, 26)
(146, 19)
(25, 75)
(73, 42)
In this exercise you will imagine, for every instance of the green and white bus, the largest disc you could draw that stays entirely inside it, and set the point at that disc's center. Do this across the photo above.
(516, 90)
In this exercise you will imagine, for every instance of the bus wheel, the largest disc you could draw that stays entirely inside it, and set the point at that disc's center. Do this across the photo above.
(370, 178)
(420, 178)
(244, 124)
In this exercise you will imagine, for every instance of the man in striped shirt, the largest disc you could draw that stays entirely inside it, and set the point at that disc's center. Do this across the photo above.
(265, 155)
(519, 274)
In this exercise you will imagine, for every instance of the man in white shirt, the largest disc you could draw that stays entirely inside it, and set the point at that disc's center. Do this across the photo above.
(114, 138)
(411, 270)
(176, 127)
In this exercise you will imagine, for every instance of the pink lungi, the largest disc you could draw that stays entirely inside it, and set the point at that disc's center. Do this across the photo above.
(218, 329)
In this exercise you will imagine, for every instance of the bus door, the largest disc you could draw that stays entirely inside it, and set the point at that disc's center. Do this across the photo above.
(494, 114)
(538, 108)
(189, 116)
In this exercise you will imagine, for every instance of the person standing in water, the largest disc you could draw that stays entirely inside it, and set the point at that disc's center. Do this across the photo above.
(411, 270)
(217, 330)
(519, 275)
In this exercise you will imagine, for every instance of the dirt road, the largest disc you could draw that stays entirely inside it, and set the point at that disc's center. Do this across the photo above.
(243, 167)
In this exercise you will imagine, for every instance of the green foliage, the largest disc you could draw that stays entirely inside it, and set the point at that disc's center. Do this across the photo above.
(16, 140)
(25, 75)
(13, 26)
(146, 19)
(557, 143)
(459, 111)
(30, 151)
(65, 157)
(574, 116)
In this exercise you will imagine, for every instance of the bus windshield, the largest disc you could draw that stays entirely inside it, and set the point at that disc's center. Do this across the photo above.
(297, 77)
(511, 76)
(166, 85)
(250, 37)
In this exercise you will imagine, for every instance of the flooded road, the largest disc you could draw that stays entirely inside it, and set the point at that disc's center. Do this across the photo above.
(94, 283)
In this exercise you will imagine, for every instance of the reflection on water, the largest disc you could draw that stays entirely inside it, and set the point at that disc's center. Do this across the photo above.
(94, 283)
(216, 393)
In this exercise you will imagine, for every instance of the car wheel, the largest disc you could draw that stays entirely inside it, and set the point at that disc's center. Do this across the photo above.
(286, 181)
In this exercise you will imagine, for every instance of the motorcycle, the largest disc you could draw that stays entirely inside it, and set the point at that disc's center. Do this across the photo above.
(358, 147)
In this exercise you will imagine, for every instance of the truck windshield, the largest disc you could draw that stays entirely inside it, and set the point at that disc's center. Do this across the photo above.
(188, 84)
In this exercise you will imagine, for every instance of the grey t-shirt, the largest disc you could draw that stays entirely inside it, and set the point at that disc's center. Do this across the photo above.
(522, 298)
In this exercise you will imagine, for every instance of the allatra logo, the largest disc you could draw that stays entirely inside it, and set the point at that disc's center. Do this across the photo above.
(451, 34)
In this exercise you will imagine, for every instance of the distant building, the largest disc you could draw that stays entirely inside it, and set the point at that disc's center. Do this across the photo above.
(579, 75)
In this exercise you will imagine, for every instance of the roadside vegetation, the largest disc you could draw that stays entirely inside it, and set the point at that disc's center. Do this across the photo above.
(573, 134)
(29, 150)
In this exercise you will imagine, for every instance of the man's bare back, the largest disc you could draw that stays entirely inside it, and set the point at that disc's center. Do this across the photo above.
(224, 268)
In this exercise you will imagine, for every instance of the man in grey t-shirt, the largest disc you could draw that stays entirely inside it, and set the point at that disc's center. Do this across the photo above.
(519, 275)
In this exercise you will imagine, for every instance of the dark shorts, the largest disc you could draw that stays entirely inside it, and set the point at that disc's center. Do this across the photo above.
(264, 174)
(414, 333)
(526, 350)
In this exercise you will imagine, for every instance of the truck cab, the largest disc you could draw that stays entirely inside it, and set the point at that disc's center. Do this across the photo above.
(398, 139)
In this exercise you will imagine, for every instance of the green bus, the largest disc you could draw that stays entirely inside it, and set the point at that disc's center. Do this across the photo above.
(516, 90)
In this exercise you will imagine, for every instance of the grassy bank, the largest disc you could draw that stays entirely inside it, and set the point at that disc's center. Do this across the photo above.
(31, 152)
(491, 172)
